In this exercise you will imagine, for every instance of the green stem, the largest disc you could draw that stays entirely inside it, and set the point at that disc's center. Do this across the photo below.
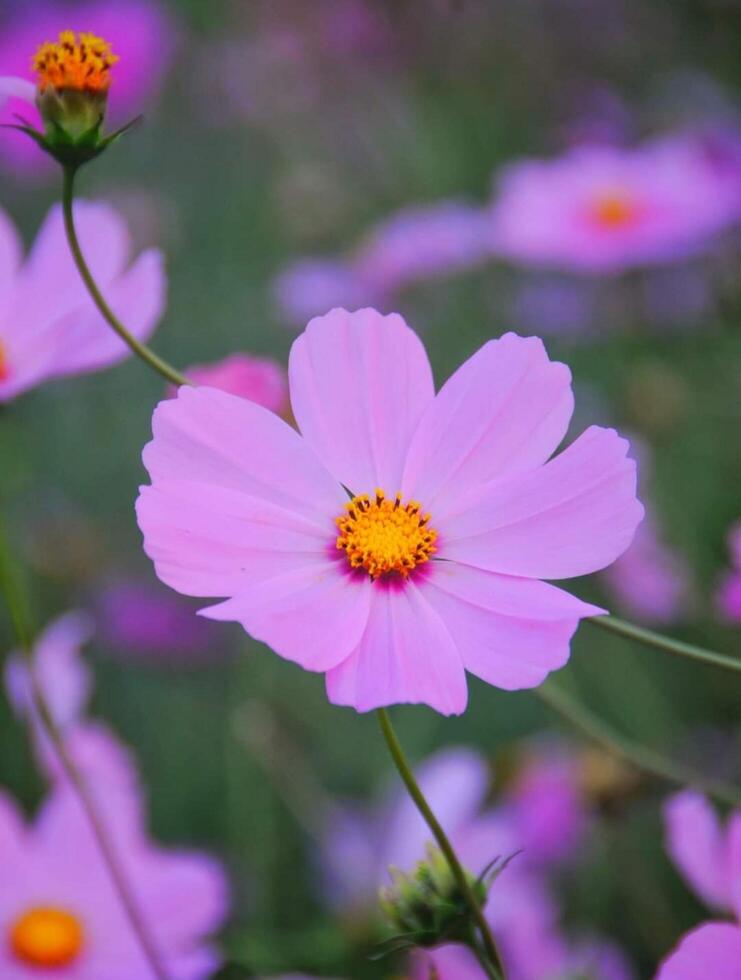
(640, 756)
(661, 642)
(17, 608)
(397, 754)
(141, 350)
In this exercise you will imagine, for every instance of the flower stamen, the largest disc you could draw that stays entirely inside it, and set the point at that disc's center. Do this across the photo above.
(385, 536)
(614, 209)
(75, 63)
(46, 936)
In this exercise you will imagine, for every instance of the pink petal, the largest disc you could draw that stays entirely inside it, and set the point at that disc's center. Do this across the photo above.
(213, 438)
(734, 860)
(50, 283)
(694, 842)
(503, 412)
(572, 516)
(406, 655)
(85, 342)
(314, 614)
(16, 88)
(227, 548)
(11, 251)
(489, 622)
(359, 384)
(711, 952)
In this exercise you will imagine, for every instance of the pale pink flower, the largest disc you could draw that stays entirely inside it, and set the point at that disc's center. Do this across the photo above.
(49, 327)
(62, 918)
(602, 209)
(709, 857)
(310, 286)
(261, 379)
(463, 478)
(141, 33)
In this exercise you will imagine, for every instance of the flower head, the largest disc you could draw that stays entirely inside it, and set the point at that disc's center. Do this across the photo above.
(80, 63)
(49, 327)
(605, 209)
(392, 604)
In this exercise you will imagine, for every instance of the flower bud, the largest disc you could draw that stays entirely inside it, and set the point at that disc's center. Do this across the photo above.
(426, 906)
(73, 79)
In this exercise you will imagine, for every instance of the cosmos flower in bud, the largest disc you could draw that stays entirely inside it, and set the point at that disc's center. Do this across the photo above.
(426, 906)
(73, 76)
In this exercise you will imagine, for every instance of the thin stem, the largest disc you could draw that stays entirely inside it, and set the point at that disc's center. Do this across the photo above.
(666, 643)
(641, 756)
(168, 372)
(418, 798)
(19, 616)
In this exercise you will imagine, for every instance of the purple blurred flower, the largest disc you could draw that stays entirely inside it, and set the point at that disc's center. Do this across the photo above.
(138, 618)
(49, 327)
(651, 580)
(417, 243)
(260, 379)
(60, 882)
(709, 857)
(141, 33)
(602, 210)
(728, 596)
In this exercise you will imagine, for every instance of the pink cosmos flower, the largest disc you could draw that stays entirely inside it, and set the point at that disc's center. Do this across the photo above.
(261, 379)
(728, 596)
(709, 857)
(62, 919)
(433, 566)
(601, 209)
(49, 327)
(310, 286)
(141, 33)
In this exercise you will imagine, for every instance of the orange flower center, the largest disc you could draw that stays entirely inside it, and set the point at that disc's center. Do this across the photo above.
(385, 536)
(47, 937)
(4, 369)
(614, 209)
(82, 63)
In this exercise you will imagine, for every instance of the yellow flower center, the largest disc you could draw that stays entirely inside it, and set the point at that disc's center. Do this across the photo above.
(385, 536)
(46, 936)
(614, 209)
(82, 63)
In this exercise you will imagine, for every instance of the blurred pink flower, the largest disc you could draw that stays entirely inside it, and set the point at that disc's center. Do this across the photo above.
(602, 210)
(710, 951)
(138, 618)
(404, 628)
(422, 242)
(709, 857)
(141, 33)
(49, 327)
(62, 915)
(651, 580)
(728, 595)
(261, 379)
(310, 287)
(415, 244)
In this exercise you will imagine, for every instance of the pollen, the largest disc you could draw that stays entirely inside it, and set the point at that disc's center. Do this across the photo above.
(78, 62)
(614, 209)
(4, 369)
(385, 536)
(46, 936)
